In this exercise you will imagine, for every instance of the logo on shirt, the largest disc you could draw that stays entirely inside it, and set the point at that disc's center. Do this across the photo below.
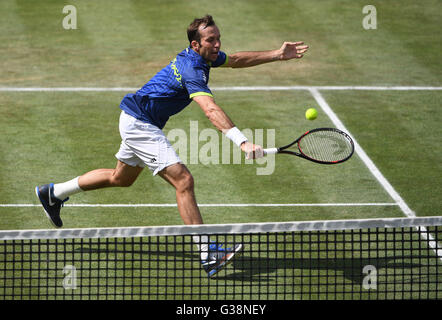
(175, 71)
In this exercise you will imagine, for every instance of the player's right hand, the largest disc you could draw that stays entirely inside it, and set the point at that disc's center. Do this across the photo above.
(253, 151)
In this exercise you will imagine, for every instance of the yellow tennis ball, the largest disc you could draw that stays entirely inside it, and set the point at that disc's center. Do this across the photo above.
(311, 114)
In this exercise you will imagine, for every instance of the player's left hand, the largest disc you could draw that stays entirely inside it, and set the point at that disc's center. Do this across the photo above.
(293, 50)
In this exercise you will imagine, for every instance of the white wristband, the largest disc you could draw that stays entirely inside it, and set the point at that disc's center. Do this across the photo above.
(236, 136)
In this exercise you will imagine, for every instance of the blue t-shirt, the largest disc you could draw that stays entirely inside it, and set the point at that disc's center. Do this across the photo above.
(171, 89)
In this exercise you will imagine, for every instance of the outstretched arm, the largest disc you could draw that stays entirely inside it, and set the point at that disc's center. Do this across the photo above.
(289, 50)
(223, 123)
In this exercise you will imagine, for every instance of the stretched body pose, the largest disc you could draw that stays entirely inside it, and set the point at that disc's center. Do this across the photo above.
(146, 112)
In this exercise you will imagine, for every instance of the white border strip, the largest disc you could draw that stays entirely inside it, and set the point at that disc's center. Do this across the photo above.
(234, 88)
(217, 205)
(222, 229)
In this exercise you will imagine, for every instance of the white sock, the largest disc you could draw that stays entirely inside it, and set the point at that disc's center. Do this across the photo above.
(202, 243)
(65, 189)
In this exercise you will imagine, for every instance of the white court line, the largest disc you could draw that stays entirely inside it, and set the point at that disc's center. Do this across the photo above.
(234, 88)
(374, 170)
(364, 157)
(217, 205)
(374, 88)
(314, 90)
(65, 89)
(378, 88)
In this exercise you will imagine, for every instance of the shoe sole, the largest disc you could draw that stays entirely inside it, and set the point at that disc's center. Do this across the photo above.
(229, 260)
(47, 213)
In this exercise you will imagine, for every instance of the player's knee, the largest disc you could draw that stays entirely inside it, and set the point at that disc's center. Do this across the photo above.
(117, 181)
(186, 183)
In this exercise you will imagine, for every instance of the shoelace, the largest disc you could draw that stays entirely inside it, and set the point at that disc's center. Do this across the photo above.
(62, 202)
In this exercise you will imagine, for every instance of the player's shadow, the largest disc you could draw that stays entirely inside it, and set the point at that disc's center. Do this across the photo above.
(263, 269)
(254, 268)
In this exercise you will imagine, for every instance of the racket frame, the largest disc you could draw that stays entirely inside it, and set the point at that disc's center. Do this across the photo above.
(302, 155)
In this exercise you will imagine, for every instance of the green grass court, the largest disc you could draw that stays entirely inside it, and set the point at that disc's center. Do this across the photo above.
(54, 136)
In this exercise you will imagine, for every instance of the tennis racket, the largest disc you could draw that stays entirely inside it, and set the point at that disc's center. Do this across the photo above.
(322, 145)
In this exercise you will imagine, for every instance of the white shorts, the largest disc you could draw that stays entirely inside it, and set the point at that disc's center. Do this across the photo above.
(144, 144)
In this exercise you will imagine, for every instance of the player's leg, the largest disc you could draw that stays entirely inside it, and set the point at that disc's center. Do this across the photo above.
(181, 179)
(123, 175)
(214, 257)
(128, 168)
(52, 196)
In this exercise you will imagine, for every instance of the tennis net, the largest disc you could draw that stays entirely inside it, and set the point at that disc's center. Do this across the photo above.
(320, 260)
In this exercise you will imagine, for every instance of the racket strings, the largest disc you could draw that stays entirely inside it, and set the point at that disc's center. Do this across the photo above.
(326, 146)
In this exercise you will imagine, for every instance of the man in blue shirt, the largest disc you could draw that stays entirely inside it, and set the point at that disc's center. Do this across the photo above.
(172, 89)
(145, 113)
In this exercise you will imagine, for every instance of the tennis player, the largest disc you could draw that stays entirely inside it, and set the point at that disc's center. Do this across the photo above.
(145, 113)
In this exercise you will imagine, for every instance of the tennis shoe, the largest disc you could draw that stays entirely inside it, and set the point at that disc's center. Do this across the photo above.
(219, 257)
(50, 203)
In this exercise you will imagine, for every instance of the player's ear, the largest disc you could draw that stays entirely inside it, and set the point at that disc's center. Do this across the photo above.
(195, 45)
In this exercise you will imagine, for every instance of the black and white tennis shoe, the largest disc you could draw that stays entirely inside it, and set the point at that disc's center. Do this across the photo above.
(50, 203)
(219, 257)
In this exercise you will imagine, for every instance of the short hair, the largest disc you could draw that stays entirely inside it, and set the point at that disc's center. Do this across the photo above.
(192, 29)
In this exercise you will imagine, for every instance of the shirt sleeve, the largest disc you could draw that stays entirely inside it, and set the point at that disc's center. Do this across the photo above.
(195, 83)
(222, 59)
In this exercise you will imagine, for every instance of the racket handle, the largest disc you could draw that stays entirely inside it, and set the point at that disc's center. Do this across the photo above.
(270, 151)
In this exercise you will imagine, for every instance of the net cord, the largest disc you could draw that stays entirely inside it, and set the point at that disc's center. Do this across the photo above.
(123, 232)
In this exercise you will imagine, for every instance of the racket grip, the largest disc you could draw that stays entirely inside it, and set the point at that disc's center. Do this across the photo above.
(270, 151)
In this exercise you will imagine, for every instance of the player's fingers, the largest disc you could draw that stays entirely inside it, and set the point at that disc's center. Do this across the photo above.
(301, 51)
(292, 44)
(259, 153)
(255, 154)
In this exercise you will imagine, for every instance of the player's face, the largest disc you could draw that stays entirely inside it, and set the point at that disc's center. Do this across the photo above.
(210, 43)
